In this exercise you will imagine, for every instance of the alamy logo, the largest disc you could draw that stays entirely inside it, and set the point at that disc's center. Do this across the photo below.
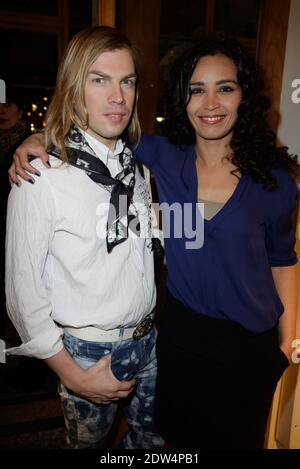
(181, 221)
(2, 351)
(2, 91)
(296, 353)
(296, 93)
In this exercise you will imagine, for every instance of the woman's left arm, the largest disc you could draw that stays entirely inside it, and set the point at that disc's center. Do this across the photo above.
(285, 279)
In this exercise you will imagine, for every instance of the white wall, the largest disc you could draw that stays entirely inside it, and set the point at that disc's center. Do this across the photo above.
(289, 128)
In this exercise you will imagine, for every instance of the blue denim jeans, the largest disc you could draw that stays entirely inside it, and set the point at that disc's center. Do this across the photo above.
(87, 423)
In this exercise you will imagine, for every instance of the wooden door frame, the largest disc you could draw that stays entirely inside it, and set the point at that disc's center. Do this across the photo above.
(271, 52)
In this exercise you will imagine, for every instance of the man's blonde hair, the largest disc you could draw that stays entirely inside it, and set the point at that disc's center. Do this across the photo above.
(68, 104)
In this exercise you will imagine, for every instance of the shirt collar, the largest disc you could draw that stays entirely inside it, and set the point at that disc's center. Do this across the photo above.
(101, 150)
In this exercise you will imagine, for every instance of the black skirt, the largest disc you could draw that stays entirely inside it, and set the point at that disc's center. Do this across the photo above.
(215, 381)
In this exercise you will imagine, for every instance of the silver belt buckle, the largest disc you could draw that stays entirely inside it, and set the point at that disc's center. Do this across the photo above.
(143, 328)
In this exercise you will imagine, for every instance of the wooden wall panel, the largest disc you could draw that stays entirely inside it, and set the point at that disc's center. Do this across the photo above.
(139, 20)
(52, 24)
(104, 12)
(272, 41)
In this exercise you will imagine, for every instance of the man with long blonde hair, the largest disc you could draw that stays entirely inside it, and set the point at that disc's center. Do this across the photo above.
(80, 280)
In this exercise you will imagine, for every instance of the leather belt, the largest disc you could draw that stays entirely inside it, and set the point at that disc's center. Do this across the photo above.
(94, 334)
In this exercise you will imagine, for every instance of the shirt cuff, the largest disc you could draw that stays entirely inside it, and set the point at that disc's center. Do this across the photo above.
(283, 262)
(41, 347)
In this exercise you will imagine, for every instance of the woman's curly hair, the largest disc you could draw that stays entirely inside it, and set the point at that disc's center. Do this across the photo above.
(253, 142)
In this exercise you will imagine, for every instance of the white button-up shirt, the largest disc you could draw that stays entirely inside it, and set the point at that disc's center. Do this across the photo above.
(58, 271)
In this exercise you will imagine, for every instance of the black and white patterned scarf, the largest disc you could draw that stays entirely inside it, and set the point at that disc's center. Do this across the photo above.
(82, 156)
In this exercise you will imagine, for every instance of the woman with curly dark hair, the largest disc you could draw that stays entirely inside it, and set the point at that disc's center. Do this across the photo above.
(225, 337)
(253, 147)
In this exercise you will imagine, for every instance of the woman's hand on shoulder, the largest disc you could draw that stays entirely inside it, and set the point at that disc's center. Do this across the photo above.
(21, 168)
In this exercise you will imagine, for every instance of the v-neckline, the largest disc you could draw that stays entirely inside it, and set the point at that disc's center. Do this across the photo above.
(191, 181)
(228, 206)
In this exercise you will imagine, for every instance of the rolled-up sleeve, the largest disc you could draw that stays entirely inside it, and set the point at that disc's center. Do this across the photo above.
(281, 228)
(30, 228)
